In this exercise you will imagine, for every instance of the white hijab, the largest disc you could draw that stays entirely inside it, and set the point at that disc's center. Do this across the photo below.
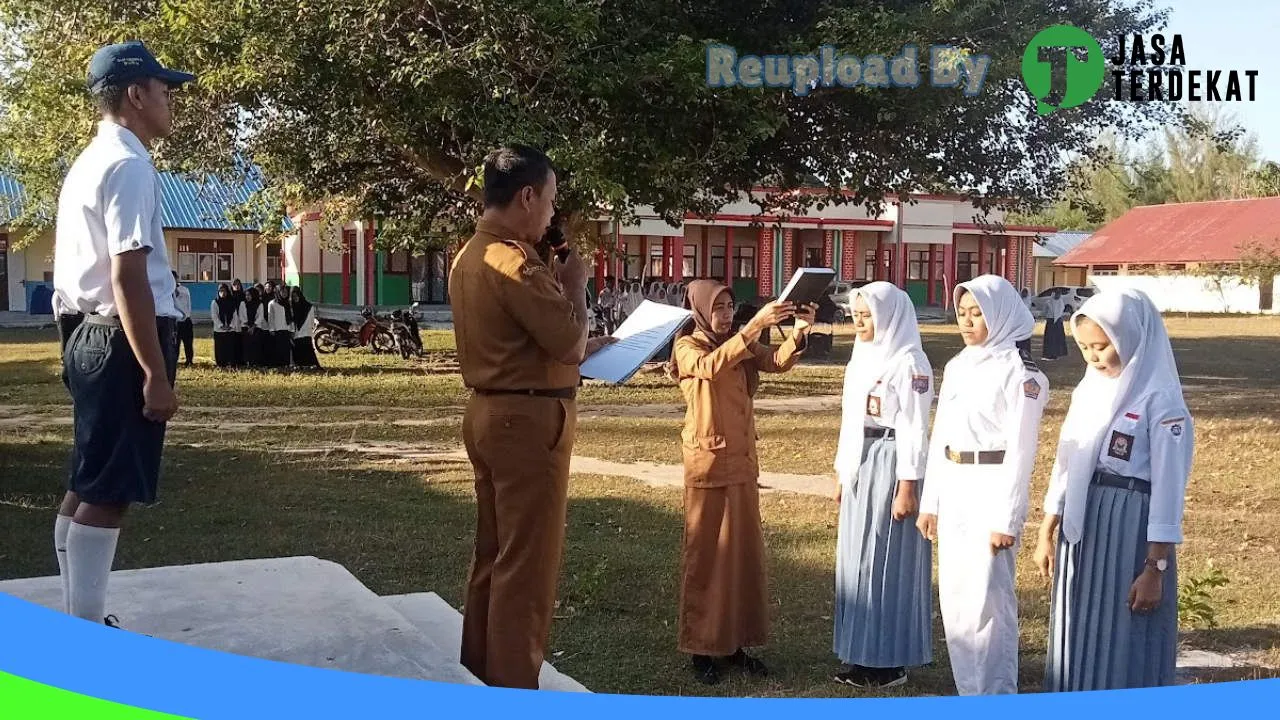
(897, 335)
(1135, 328)
(1008, 319)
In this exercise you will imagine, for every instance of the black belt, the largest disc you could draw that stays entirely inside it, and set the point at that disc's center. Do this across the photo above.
(982, 457)
(162, 323)
(561, 393)
(1123, 482)
(875, 432)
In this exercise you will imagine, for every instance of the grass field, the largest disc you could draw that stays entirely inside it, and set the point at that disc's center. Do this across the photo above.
(230, 492)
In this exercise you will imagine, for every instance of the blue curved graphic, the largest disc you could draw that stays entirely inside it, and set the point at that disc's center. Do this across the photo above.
(62, 652)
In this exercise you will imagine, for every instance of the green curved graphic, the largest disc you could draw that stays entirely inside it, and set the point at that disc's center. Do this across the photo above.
(22, 699)
(1084, 77)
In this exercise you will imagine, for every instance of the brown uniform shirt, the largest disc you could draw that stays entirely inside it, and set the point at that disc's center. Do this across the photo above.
(511, 319)
(719, 436)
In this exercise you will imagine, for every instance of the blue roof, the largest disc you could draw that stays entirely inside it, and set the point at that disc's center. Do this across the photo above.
(184, 203)
(1060, 243)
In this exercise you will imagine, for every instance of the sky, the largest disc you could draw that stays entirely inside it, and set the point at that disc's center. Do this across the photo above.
(1236, 35)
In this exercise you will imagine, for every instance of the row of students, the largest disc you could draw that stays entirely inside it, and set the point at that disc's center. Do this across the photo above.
(1113, 511)
(272, 331)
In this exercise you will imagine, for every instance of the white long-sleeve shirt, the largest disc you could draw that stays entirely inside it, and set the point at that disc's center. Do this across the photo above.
(276, 318)
(1153, 441)
(305, 327)
(182, 298)
(237, 320)
(995, 405)
(903, 398)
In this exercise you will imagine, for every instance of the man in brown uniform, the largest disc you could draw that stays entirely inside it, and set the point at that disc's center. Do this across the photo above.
(521, 330)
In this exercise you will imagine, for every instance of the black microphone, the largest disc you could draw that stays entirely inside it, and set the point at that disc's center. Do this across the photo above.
(556, 240)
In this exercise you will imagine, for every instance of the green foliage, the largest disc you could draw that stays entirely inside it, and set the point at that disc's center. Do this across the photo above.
(1206, 157)
(1195, 601)
(387, 107)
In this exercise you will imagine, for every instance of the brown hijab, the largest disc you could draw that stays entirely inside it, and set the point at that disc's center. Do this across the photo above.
(700, 297)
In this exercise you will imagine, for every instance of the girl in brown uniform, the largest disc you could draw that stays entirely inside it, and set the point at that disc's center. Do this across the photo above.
(724, 602)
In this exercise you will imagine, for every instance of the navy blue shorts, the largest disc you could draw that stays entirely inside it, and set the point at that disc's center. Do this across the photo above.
(115, 457)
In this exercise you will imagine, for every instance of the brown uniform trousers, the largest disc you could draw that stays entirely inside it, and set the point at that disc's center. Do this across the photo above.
(513, 325)
(724, 595)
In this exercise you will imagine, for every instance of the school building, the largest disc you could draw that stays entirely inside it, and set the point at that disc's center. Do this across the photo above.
(340, 265)
(205, 248)
(923, 247)
(1162, 250)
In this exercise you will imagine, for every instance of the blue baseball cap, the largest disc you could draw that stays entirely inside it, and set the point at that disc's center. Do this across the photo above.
(128, 62)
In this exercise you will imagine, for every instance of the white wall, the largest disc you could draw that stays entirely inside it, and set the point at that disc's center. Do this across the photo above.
(1186, 293)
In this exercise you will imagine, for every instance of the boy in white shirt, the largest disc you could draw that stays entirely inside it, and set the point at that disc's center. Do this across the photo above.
(111, 264)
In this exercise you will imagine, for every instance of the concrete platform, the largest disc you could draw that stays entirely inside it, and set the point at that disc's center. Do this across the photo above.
(443, 625)
(300, 610)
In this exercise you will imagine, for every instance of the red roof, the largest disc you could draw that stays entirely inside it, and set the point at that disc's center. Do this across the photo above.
(1180, 233)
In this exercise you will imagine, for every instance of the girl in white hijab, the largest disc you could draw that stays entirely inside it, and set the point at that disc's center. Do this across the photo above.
(977, 481)
(1116, 493)
(884, 598)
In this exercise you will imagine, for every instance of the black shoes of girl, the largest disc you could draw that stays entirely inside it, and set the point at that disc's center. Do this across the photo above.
(707, 670)
(873, 678)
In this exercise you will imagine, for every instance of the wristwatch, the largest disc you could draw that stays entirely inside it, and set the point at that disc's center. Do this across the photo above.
(1158, 565)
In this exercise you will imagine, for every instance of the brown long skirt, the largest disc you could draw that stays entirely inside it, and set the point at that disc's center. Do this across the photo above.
(724, 596)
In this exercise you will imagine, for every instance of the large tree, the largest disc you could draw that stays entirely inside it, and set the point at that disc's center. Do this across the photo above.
(387, 107)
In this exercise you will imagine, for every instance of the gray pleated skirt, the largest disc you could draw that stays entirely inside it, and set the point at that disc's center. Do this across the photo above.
(884, 598)
(1095, 641)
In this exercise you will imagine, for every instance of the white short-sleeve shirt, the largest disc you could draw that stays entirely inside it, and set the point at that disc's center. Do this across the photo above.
(110, 204)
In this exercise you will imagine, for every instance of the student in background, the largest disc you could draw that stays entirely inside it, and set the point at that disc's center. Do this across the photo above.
(186, 327)
(884, 597)
(724, 598)
(304, 320)
(1115, 499)
(253, 339)
(977, 480)
(1055, 337)
(228, 320)
(279, 329)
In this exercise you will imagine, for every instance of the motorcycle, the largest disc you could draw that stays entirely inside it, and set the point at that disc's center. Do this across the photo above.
(332, 334)
(404, 330)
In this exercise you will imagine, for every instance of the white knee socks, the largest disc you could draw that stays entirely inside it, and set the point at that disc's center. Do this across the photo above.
(90, 552)
(60, 528)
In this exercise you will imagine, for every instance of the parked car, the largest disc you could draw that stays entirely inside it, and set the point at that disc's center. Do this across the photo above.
(1073, 295)
(840, 295)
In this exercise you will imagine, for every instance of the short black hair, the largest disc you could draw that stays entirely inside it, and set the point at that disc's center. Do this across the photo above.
(510, 168)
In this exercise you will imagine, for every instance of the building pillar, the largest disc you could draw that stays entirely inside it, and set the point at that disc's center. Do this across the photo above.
(728, 256)
(764, 263)
(850, 255)
(829, 248)
(982, 255)
(706, 253)
(879, 268)
(788, 253)
(677, 258)
(931, 290)
(367, 298)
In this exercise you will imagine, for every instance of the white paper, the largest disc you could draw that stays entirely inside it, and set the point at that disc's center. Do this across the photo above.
(640, 337)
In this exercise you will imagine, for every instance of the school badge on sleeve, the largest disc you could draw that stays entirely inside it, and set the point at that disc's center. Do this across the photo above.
(920, 383)
(1121, 446)
(1174, 425)
(1031, 388)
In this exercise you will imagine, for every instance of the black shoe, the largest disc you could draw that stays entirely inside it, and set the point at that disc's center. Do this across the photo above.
(111, 621)
(705, 670)
(857, 676)
(748, 663)
(891, 677)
